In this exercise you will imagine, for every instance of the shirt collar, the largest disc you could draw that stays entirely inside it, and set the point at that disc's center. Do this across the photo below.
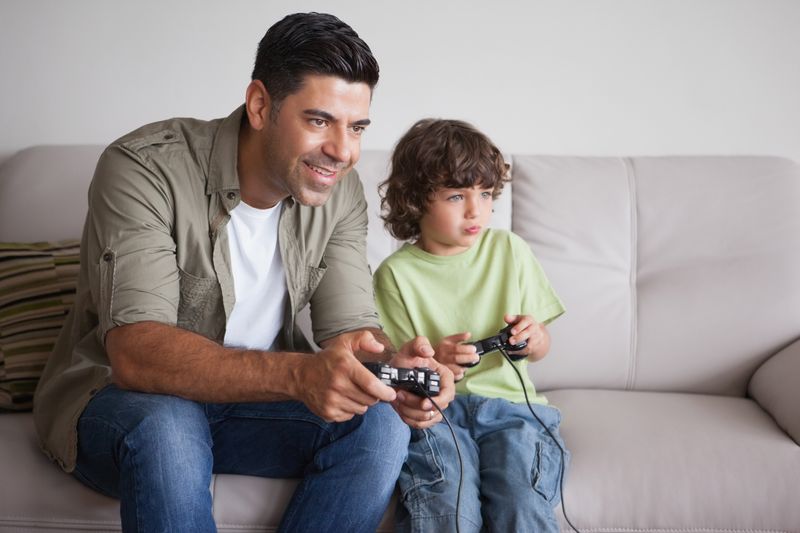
(222, 173)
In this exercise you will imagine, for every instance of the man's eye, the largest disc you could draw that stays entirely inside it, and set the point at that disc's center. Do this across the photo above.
(319, 122)
(358, 130)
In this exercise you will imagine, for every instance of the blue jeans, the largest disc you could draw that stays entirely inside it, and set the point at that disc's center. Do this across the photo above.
(156, 454)
(511, 470)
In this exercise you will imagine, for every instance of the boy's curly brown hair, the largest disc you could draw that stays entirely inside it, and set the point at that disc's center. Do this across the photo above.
(435, 154)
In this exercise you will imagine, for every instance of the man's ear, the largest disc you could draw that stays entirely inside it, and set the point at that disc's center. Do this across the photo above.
(257, 104)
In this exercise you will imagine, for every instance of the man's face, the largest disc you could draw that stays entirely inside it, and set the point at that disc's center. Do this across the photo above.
(315, 138)
(453, 219)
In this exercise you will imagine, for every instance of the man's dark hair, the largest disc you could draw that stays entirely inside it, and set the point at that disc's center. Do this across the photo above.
(432, 155)
(311, 43)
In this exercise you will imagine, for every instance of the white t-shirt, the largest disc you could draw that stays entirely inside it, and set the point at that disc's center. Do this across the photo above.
(258, 277)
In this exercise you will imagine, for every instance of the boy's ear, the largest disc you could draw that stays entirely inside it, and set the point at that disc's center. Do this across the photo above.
(257, 104)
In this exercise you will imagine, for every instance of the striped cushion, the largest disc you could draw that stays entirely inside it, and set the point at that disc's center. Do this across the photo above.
(37, 288)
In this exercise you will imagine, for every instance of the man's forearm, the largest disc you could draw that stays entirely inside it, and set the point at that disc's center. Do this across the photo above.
(157, 358)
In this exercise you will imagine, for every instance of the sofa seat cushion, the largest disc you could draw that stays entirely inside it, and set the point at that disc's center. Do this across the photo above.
(650, 461)
(37, 496)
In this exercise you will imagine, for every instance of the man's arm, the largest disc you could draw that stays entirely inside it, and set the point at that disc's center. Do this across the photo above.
(158, 358)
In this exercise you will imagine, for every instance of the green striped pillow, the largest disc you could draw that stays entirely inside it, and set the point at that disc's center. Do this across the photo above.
(37, 288)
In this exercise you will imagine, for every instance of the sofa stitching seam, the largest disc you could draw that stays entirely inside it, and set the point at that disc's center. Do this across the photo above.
(634, 265)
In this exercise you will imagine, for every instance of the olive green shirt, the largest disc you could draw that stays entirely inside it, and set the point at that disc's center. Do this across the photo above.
(155, 248)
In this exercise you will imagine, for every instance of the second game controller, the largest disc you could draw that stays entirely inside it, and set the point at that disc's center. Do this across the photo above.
(497, 342)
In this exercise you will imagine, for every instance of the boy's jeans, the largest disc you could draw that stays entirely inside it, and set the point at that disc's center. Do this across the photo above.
(511, 470)
(156, 453)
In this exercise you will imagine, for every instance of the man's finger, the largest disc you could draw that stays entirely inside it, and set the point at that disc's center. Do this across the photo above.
(370, 387)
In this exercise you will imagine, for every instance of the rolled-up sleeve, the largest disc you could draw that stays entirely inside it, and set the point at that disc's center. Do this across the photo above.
(344, 299)
(134, 274)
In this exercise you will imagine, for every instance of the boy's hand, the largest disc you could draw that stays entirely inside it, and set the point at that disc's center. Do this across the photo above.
(453, 353)
(526, 328)
(418, 411)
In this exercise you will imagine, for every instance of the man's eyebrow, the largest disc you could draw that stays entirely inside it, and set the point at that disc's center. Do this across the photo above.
(330, 118)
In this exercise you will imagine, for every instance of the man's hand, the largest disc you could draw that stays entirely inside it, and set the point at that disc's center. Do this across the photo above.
(419, 412)
(334, 384)
(452, 351)
(527, 329)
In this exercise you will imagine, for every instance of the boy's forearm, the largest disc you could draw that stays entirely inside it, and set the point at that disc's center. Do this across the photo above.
(540, 349)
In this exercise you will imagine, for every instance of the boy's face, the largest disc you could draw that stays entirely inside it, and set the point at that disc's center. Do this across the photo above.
(454, 219)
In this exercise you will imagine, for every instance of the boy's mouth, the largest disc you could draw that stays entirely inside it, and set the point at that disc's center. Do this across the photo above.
(473, 230)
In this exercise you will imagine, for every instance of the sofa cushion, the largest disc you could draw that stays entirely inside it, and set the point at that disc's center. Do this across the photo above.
(37, 288)
(652, 461)
(679, 273)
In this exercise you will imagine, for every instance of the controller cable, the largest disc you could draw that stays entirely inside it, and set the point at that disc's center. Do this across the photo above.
(458, 450)
(561, 473)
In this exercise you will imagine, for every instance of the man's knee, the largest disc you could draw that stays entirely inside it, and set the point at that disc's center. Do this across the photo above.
(170, 428)
(388, 434)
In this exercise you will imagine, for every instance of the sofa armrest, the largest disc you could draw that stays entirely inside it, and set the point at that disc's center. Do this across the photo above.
(776, 388)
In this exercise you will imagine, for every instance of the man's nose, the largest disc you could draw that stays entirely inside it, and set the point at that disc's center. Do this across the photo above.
(339, 146)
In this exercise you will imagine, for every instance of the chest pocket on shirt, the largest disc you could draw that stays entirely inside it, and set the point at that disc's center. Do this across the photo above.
(200, 308)
(313, 277)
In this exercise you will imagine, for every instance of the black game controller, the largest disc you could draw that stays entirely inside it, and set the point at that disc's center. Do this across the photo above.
(497, 342)
(420, 381)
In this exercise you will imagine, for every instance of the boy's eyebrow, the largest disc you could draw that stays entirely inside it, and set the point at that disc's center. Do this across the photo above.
(330, 118)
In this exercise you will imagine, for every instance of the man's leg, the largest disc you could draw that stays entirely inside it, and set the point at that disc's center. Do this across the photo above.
(153, 452)
(349, 469)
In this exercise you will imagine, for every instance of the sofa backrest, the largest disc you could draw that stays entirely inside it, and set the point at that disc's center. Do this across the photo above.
(678, 273)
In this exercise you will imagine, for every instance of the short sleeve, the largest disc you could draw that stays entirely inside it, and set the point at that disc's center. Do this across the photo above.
(539, 299)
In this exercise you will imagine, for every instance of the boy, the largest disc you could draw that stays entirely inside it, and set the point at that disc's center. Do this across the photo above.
(457, 280)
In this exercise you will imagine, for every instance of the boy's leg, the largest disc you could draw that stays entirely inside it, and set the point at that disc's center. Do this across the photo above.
(153, 452)
(349, 469)
(520, 466)
(429, 479)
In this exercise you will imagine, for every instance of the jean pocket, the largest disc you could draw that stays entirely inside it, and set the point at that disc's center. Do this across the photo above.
(546, 469)
(422, 468)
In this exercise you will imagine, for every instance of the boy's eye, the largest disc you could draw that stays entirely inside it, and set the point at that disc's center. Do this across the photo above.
(486, 195)
(455, 197)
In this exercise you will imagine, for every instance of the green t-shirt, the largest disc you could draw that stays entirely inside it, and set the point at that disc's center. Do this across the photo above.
(436, 296)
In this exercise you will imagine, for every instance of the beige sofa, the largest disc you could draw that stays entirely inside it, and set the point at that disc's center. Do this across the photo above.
(676, 367)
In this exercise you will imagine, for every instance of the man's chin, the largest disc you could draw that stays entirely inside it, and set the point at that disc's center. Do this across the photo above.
(312, 198)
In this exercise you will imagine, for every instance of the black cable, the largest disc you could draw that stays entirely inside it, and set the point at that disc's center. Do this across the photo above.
(458, 450)
(563, 458)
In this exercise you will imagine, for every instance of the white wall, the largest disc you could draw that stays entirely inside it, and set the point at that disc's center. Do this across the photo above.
(616, 77)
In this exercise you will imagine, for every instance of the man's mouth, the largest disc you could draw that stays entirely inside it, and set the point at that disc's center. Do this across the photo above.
(322, 171)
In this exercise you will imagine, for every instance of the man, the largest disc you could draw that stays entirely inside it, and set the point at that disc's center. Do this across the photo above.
(203, 240)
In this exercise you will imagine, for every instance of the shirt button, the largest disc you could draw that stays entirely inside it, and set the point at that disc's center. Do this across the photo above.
(231, 195)
(168, 136)
(107, 257)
